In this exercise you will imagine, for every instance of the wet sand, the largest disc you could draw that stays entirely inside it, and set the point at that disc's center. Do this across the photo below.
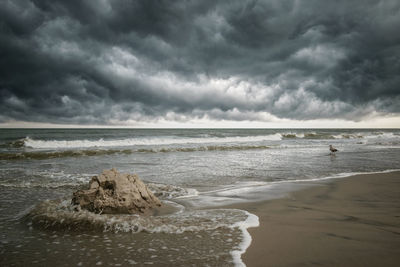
(353, 221)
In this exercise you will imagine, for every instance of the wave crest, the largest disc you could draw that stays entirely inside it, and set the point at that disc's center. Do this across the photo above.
(320, 136)
(54, 144)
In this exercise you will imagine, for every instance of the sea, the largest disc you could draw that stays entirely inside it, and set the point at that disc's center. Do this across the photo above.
(198, 172)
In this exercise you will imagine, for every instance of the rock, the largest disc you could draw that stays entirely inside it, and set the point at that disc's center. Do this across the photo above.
(114, 192)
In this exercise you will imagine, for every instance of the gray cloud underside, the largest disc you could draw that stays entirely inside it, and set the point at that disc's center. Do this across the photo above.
(109, 61)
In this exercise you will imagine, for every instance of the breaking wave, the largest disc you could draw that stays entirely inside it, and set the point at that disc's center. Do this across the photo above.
(54, 144)
(176, 140)
(320, 136)
(29, 148)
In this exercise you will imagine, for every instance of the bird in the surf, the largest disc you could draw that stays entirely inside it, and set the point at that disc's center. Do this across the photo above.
(332, 149)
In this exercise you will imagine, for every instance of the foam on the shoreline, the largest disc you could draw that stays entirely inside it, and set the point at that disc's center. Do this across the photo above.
(341, 175)
(60, 215)
(57, 214)
(251, 221)
(253, 191)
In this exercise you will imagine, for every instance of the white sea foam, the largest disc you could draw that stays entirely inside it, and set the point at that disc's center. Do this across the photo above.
(251, 221)
(60, 214)
(59, 179)
(170, 140)
(53, 144)
(30, 184)
(171, 191)
(47, 179)
(382, 135)
(252, 191)
(343, 135)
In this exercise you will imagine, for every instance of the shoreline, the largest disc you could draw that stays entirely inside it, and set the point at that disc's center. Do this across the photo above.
(352, 221)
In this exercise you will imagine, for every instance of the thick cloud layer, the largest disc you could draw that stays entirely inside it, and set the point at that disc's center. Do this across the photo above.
(106, 62)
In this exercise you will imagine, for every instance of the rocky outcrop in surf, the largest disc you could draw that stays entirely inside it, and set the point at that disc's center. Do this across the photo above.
(114, 192)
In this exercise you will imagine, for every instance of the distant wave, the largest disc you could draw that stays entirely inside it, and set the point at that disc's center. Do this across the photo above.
(185, 144)
(321, 135)
(127, 142)
(42, 155)
(16, 144)
(53, 144)
(59, 154)
(202, 148)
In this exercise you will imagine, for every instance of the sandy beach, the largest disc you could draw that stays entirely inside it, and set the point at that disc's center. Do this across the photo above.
(353, 221)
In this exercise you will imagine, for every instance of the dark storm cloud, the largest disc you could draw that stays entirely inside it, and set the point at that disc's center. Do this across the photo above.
(109, 61)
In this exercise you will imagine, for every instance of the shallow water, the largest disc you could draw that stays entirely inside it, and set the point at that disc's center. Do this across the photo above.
(196, 170)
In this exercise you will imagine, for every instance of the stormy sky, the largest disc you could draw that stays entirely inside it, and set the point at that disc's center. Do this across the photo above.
(111, 62)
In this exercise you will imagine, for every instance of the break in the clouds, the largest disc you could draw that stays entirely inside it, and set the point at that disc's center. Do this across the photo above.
(111, 62)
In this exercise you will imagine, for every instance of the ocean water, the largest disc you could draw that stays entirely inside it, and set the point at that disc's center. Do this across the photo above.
(197, 171)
